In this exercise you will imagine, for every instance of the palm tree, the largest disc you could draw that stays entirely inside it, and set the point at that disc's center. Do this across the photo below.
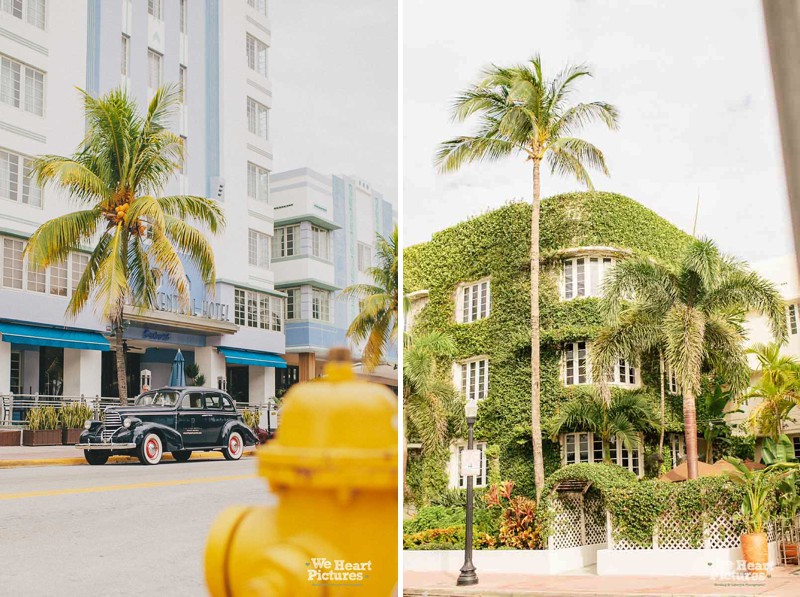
(116, 177)
(376, 321)
(695, 312)
(778, 390)
(429, 398)
(524, 114)
(621, 417)
(715, 402)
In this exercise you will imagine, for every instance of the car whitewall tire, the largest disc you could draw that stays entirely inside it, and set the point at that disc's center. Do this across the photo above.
(235, 446)
(151, 450)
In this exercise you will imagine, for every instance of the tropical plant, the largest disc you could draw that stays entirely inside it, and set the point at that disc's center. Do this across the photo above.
(759, 491)
(250, 417)
(713, 426)
(376, 321)
(695, 311)
(522, 113)
(777, 390)
(622, 418)
(74, 414)
(42, 418)
(123, 162)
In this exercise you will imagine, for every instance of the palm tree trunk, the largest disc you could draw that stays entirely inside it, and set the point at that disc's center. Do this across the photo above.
(690, 431)
(536, 422)
(709, 448)
(663, 400)
(122, 377)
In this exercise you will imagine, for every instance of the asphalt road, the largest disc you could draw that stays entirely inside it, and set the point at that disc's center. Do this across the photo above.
(118, 529)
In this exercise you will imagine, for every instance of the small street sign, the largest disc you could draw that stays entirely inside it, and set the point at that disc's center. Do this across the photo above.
(470, 463)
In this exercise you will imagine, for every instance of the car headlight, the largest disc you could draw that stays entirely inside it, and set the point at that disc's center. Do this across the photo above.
(87, 424)
(127, 423)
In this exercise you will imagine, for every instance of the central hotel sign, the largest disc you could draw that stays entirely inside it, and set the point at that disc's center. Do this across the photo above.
(171, 303)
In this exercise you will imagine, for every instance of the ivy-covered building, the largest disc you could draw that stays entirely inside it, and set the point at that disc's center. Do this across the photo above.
(472, 281)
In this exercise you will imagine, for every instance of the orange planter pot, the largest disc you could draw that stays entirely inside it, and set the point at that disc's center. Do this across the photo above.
(754, 549)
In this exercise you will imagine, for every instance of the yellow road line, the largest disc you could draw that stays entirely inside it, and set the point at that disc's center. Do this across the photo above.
(77, 490)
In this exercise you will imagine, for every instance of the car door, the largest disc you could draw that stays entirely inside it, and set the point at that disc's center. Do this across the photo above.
(215, 420)
(191, 419)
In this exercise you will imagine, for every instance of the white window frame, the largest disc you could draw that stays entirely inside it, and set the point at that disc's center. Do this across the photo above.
(257, 119)
(259, 246)
(473, 301)
(283, 245)
(677, 446)
(293, 298)
(258, 310)
(18, 95)
(24, 11)
(467, 377)
(571, 452)
(57, 280)
(21, 186)
(183, 17)
(157, 58)
(364, 257)
(320, 304)
(125, 55)
(155, 9)
(791, 318)
(571, 364)
(582, 276)
(183, 81)
(623, 372)
(478, 480)
(671, 382)
(257, 182)
(320, 242)
(257, 53)
(258, 5)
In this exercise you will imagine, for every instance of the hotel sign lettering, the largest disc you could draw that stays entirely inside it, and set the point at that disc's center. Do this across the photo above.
(171, 303)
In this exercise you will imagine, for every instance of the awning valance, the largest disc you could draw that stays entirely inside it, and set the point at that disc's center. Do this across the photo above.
(18, 333)
(237, 356)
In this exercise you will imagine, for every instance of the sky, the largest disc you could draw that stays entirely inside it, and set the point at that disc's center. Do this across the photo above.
(692, 83)
(333, 66)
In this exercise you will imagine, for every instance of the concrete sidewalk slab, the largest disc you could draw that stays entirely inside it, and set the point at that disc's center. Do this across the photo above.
(15, 456)
(783, 583)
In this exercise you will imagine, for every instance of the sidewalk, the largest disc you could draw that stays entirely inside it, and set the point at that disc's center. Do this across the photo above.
(783, 583)
(14, 456)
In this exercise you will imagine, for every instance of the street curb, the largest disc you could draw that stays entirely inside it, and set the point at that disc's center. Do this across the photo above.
(473, 592)
(112, 460)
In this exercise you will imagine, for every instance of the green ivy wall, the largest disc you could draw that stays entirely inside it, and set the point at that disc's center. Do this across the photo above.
(496, 244)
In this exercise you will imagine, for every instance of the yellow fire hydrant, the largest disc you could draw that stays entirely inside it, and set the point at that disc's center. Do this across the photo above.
(333, 467)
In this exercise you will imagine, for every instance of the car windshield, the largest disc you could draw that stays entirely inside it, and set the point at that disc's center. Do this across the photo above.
(158, 398)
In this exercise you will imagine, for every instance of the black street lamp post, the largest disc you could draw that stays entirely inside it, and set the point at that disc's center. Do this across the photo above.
(467, 575)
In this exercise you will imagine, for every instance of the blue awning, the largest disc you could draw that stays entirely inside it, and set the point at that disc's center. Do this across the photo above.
(32, 335)
(237, 356)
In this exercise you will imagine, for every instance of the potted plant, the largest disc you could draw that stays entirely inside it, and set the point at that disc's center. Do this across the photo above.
(72, 417)
(42, 427)
(193, 375)
(758, 507)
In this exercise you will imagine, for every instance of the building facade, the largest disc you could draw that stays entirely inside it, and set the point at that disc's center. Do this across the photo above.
(325, 240)
(216, 53)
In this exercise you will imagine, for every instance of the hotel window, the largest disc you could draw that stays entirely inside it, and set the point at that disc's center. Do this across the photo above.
(672, 381)
(257, 118)
(31, 192)
(257, 310)
(21, 86)
(584, 447)
(364, 257)
(154, 69)
(257, 182)
(37, 278)
(34, 10)
(259, 5)
(154, 8)
(259, 244)
(576, 369)
(625, 373)
(473, 302)
(320, 305)
(320, 240)
(12, 263)
(58, 279)
(792, 313)
(677, 446)
(125, 55)
(182, 72)
(473, 378)
(796, 444)
(284, 243)
(183, 16)
(79, 263)
(478, 480)
(256, 55)
(292, 303)
(583, 276)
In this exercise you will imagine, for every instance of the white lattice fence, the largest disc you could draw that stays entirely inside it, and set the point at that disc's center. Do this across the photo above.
(595, 518)
(676, 532)
(722, 532)
(567, 522)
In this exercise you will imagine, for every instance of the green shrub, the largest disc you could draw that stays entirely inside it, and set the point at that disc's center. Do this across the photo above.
(42, 418)
(250, 417)
(74, 414)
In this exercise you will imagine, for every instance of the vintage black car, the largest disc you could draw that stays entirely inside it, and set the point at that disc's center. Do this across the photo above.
(179, 420)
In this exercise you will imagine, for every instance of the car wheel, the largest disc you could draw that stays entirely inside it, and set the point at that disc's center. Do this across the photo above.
(95, 457)
(235, 446)
(151, 450)
(182, 455)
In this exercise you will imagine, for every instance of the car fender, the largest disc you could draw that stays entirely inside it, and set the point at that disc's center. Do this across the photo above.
(247, 434)
(170, 438)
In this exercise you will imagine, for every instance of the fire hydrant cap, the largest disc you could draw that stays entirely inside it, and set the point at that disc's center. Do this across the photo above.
(335, 432)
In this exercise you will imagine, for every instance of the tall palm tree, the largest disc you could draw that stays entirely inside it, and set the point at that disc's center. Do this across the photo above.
(695, 312)
(713, 427)
(116, 177)
(623, 417)
(429, 398)
(778, 390)
(376, 321)
(524, 114)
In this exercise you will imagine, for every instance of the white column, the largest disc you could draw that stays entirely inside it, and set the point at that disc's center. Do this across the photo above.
(211, 364)
(5, 367)
(82, 372)
(262, 384)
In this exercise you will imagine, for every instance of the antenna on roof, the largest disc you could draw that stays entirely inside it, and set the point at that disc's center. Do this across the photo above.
(696, 212)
